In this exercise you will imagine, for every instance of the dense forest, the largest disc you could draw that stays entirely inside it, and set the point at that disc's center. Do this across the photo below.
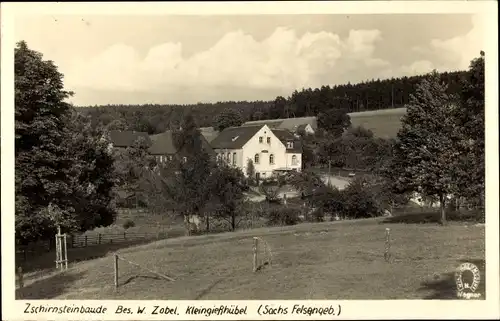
(369, 95)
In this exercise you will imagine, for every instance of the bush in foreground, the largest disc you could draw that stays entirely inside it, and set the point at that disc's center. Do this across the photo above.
(128, 224)
(283, 216)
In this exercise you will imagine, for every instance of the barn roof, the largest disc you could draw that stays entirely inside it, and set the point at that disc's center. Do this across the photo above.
(127, 138)
(234, 137)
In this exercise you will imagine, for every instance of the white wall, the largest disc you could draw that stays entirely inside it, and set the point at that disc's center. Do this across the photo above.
(275, 148)
(289, 161)
(239, 157)
(253, 146)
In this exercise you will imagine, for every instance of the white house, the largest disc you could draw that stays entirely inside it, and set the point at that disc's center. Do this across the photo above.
(271, 150)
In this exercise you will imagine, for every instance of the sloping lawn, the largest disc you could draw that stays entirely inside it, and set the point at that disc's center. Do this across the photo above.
(335, 260)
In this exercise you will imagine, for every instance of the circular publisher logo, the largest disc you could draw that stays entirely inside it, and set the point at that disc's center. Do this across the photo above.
(467, 278)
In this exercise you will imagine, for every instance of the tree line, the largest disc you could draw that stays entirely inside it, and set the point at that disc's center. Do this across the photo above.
(370, 95)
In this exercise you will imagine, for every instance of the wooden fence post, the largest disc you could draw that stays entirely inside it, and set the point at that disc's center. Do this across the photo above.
(387, 254)
(66, 252)
(255, 246)
(125, 235)
(20, 277)
(116, 271)
(85, 240)
(99, 239)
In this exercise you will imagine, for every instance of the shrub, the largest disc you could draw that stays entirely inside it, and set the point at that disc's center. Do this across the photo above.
(434, 216)
(283, 216)
(318, 215)
(128, 224)
(358, 201)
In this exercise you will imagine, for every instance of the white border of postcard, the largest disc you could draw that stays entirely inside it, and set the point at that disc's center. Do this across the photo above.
(409, 309)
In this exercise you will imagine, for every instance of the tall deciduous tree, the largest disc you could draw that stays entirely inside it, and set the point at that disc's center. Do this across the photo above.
(129, 167)
(334, 121)
(227, 184)
(228, 118)
(424, 152)
(94, 163)
(186, 181)
(60, 162)
(43, 164)
(470, 130)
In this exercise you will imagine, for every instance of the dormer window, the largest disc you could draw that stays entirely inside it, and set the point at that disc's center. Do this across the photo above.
(289, 144)
(261, 139)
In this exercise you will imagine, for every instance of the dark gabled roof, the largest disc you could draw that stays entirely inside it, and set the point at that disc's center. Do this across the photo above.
(234, 137)
(163, 144)
(285, 136)
(127, 138)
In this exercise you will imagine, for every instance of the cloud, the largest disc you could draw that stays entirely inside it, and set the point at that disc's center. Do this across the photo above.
(239, 67)
(451, 54)
(418, 67)
(283, 61)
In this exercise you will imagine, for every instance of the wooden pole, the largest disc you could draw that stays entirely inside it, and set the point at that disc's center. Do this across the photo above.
(387, 253)
(20, 277)
(255, 246)
(116, 271)
(57, 251)
(65, 252)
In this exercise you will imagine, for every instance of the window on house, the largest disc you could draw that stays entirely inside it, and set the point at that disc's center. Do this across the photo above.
(294, 160)
(184, 159)
(170, 157)
(289, 144)
(269, 140)
(234, 158)
(256, 159)
(261, 139)
(229, 157)
(271, 159)
(161, 159)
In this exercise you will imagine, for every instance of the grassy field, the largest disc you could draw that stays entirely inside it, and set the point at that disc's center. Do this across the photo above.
(383, 123)
(334, 260)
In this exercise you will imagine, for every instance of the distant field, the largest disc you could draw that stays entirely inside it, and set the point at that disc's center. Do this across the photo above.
(383, 123)
(334, 260)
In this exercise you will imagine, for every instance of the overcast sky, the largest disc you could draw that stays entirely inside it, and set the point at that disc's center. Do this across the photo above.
(189, 59)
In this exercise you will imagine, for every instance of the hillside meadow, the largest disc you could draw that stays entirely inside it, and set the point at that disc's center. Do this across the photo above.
(333, 260)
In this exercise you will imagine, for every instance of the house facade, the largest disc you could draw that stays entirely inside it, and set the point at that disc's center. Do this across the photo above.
(271, 151)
